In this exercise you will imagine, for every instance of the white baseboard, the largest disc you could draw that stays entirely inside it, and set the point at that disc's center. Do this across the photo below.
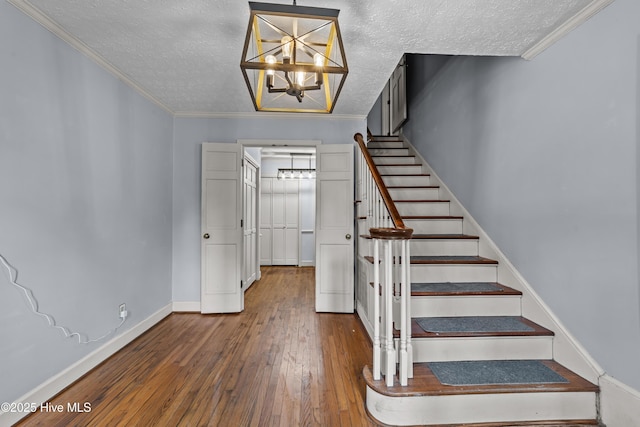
(186, 306)
(311, 263)
(59, 382)
(619, 403)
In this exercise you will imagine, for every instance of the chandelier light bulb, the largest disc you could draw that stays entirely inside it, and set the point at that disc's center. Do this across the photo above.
(287, 48)
(270, 59)
(301, 76)
(318, 60)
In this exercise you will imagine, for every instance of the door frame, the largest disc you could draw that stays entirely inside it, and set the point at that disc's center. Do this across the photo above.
(256, 202)
(291, 143)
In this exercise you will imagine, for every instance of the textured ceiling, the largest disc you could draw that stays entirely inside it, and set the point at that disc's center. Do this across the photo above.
(186, 54)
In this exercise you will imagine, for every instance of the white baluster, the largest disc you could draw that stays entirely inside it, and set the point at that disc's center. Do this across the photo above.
(388, 283)
(376, 310)
(404, 291)
(408, 314)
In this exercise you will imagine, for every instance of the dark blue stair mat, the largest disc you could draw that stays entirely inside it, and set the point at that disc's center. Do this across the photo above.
(456, 287)
(473, 324)
(487, 372)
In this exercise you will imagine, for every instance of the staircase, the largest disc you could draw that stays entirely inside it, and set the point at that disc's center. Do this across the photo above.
(476, 360)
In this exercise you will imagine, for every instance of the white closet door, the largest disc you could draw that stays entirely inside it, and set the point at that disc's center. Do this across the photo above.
(222, 237)
(266, 220)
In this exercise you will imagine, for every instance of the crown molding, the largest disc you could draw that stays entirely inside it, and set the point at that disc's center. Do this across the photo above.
(35, 13)
(265, 115)
(578, 19)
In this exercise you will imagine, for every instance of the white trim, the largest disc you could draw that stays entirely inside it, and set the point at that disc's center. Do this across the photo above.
(186, 306)
(77, 44)
(619, 403)
(307, 264)
(564, 29)
(264, 115)
(566, 349)
(279, 142)
(60, 381)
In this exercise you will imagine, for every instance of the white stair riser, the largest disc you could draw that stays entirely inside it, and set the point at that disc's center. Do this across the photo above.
(453, 273)
(394, 160)
(414, 193)
(478, 408)
(386, 144)
(481, 348)
(423, 208)
(434, 247)
(400, 170)
(406, 181)
(387, 151)
(435, 226)
(465, 305)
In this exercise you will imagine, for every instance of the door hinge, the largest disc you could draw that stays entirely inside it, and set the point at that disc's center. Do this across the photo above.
(240, 284)
(241, 223)
(242, 162)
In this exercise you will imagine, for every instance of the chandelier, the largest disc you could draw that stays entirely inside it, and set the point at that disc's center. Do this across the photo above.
(293, 58)
(297, 173)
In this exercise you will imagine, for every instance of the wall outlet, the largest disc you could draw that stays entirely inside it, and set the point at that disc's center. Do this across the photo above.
(123, 311)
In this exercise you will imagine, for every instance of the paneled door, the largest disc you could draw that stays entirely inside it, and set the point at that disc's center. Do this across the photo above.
(334, 228)
(221, 231)
(250, 225)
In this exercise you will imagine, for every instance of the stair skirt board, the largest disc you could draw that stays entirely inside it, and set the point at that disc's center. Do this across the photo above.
(477, 408)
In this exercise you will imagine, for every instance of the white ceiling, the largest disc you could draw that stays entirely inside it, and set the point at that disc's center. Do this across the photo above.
(185, 54)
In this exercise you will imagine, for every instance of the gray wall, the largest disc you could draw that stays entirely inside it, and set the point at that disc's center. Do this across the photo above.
(544, 155)
(85, 211)
(189, 134)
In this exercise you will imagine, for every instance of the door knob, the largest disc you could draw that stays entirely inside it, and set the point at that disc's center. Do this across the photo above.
(206, 235)
(348, 237)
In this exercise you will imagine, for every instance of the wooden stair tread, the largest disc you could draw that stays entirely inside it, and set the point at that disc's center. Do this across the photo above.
(401, 187)
(433, 236)
(502, 290)
(432, 217)
(393, 155)
(403, 175)
(425, 383)
(444, 237)
(450, 260)
(549, 423)
(422, 201)
(537, 330)
(454, 259)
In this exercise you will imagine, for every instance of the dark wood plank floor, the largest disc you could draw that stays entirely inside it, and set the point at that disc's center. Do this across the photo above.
(276, 364)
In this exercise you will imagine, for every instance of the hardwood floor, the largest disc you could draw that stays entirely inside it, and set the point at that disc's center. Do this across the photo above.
(276, 364)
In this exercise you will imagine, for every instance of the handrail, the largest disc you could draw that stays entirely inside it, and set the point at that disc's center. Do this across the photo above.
(391, 273)
(384, 193)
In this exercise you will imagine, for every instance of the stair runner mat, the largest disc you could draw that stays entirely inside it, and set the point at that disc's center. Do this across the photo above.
(487, 372)
(473, 324)
(453, 287)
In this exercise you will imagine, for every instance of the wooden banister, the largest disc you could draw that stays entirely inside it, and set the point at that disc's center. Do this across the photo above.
(384, 193)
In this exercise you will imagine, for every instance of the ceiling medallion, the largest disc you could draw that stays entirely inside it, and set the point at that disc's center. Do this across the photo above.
(293, 59)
